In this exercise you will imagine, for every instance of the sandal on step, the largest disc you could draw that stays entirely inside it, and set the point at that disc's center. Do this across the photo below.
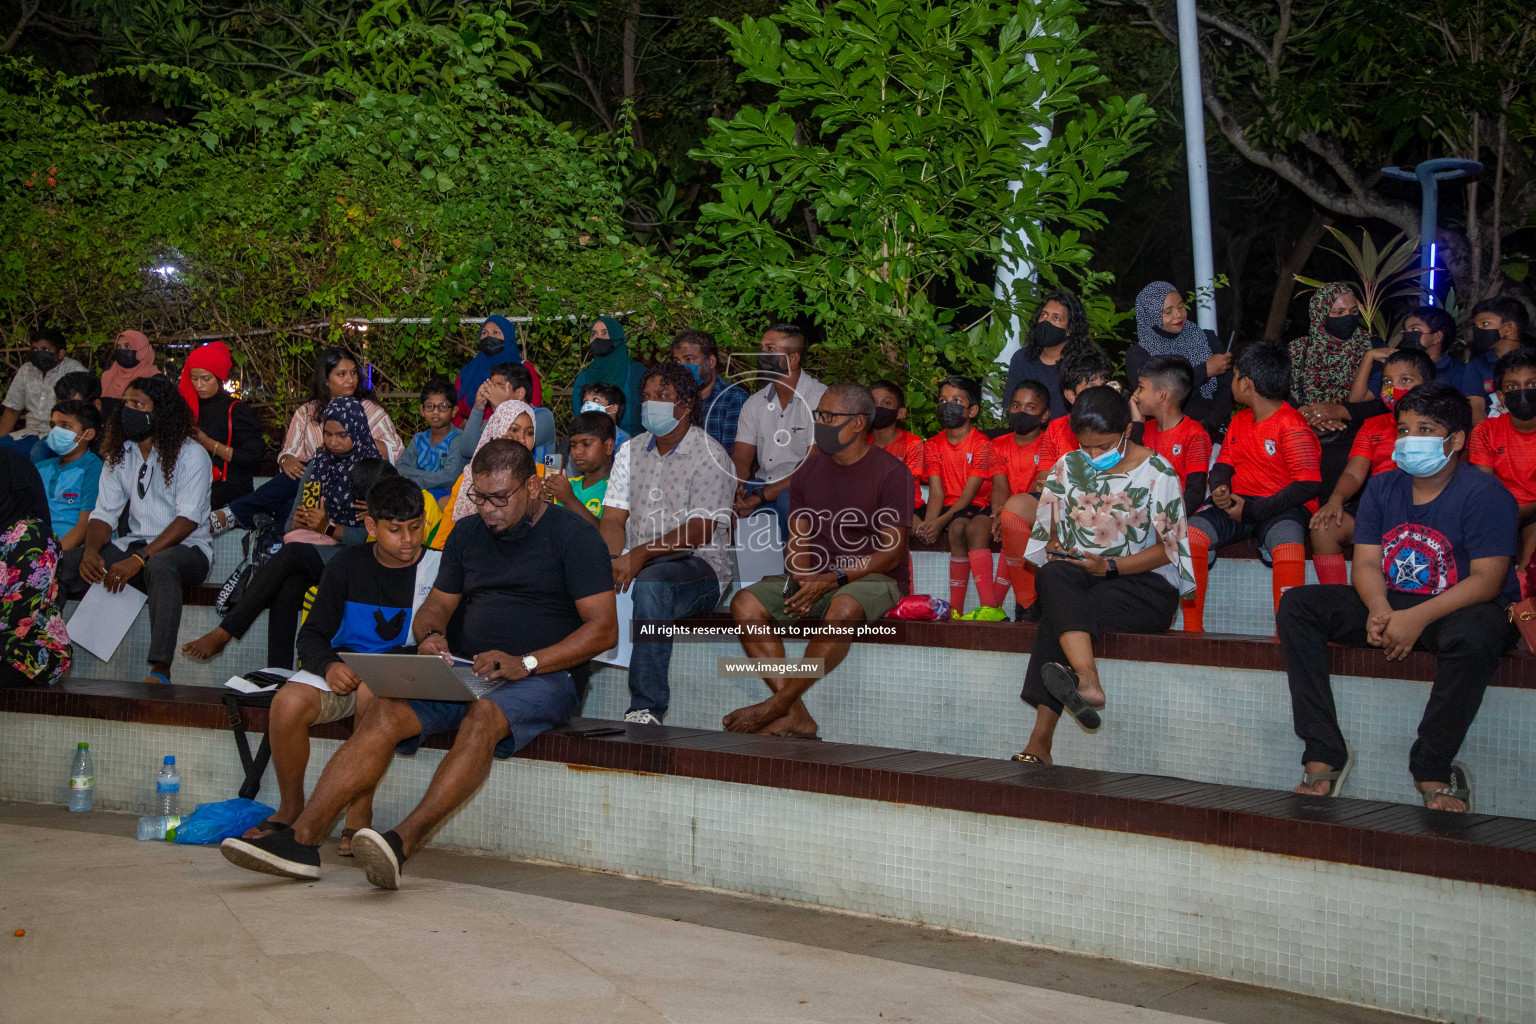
(1460, 788)
(159, 677)
(345, 849)
(1061, 682)
(1335, 778)
(1029, 758)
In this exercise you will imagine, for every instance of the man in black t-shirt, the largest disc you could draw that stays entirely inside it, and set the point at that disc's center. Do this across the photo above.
(850, 510)
(535, 587)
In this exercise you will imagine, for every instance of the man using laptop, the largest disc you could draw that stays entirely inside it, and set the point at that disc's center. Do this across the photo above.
(536, 591)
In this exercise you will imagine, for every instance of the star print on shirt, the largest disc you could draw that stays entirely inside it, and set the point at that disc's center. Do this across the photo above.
(1418, 559)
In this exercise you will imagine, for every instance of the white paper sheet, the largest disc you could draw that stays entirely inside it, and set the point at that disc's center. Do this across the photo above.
(310, 679)
(104, 618)
(620, 654)
(759, 551)
(244, 685)
(240, 685)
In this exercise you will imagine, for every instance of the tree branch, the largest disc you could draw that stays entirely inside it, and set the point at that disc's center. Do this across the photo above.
(28, 9)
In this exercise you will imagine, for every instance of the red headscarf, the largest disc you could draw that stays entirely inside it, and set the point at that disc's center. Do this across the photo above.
(116, 378)
(215, 359)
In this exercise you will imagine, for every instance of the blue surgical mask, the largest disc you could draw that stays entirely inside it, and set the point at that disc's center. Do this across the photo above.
(693, 368)
(61, 441)
(1420, 456)
(657, 418)
(1105, 461)
(593, 407)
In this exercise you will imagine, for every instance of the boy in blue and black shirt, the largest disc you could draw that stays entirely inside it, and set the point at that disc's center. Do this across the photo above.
(71, 472)
(365, 602)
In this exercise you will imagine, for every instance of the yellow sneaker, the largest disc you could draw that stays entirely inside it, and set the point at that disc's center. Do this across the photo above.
(988, 614)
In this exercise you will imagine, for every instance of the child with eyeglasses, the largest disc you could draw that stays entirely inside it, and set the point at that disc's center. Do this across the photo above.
(430, 459)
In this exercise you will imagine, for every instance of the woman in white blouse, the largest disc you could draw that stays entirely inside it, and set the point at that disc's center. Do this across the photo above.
(1109, 538)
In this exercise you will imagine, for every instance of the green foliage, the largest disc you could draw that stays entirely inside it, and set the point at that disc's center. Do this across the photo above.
(406, 183)
(1386, 275)
(873, 192)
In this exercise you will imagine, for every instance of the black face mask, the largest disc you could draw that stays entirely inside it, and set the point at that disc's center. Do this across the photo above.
(492, 346)
(1342, 327)
(1024, 422)
(951, 414)
(1521, 404)
(827, 439)
(1484, 338)
(43, 359)
(775, 363)
(883, 418)
(137, 425)
(1048, 335)
(1412, 340)
(601, 346)
(127, 358)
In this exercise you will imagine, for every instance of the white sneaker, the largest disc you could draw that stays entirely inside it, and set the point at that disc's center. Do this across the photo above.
(641, 718)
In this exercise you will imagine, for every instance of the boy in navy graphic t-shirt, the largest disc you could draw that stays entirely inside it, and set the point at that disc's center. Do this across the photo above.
(1433, 571)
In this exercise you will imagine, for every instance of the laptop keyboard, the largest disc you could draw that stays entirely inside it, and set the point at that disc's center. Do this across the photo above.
(479, 687)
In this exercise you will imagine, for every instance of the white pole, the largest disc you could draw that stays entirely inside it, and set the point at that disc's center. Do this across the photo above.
(1199, 184)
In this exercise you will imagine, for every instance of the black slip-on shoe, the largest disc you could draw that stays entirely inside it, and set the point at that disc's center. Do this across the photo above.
(277, 853)
(381, 855)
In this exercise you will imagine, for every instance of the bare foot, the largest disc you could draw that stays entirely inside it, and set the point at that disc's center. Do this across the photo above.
(798, 723)
(261, 831)
(1442, 802)
(210, 645)
(753, 718)
(1322, 787)
(1088, 685)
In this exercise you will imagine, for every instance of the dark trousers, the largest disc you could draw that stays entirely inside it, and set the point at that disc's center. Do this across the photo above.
(666, 589)
(1466, 644)
(277, 588)
(164, 578)
(1073, 600)
(272, 498)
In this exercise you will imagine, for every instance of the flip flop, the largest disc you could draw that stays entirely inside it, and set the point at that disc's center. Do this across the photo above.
(346, 838)
(1061, 682)
(1029, 758)
(1459, 789)
(1335, 778)
(163, 677)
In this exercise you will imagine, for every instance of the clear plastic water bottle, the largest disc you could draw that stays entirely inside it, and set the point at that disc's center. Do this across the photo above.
(159, 826)
(168, 788)
(82, 779)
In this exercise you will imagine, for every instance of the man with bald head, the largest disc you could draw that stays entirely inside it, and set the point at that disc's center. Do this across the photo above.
(846, 558)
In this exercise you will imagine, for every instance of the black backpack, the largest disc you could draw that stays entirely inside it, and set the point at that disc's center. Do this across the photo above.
(257, 547)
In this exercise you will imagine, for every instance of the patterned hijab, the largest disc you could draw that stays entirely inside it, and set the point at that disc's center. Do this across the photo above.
(497, 426)
(334, 472)
(1191, 342)
(1322, 366)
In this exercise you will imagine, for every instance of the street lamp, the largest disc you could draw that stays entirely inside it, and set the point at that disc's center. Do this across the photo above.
(1429, 175)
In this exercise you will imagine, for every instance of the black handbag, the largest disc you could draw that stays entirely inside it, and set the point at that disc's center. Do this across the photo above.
(257, 547)
(254, 767)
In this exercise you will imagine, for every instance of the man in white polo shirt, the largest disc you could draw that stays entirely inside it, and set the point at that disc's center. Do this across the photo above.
(775, 427)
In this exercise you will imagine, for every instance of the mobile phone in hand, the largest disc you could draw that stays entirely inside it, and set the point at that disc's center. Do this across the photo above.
(1076, 556)
(791, 587)
(311, 496)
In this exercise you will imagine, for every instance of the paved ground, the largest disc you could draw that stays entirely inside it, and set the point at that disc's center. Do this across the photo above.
(127, 931)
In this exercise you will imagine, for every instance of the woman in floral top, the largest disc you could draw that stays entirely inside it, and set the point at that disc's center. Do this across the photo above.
(34, 645)
(1109, 538)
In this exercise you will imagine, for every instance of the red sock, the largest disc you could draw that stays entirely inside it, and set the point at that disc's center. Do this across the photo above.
(1330, 568)
(1290, 569)
(1001, 581)
(1015, 540)
(981, 568)
(959, 576)
(1199, 554)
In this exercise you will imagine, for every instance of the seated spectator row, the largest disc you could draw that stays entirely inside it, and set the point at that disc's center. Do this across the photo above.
(1108, 516)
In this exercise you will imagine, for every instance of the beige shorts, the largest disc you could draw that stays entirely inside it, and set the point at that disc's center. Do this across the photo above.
(335, 706)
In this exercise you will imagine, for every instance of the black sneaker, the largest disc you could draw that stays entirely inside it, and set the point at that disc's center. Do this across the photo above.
(278, 853)
(1030, 614)
(382, 856)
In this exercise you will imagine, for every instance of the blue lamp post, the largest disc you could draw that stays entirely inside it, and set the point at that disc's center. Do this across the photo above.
(1429, 175)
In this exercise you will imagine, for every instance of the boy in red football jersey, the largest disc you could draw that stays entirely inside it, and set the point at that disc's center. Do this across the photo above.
(1013, 489)
(1265, 482)
(1163, 384)
(1371, 453)
(960, 464)
(1086, 368)
(886, 432)
(1506, 447)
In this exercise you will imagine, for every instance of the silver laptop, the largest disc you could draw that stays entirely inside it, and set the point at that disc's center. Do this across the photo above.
(418, 677)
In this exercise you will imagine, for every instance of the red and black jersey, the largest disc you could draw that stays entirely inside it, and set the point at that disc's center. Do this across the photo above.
(955, 464)
(1512, 455)
(1186, 446)
(1267, 457)
(1375, 441)
(1022, 463)
(908, 447)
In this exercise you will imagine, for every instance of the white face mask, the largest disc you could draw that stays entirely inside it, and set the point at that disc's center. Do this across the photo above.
(657, 418)
(593, 407)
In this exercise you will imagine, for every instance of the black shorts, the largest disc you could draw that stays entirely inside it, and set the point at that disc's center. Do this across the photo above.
(969, 512)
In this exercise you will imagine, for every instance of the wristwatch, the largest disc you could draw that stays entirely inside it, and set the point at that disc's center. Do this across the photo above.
(842, 578)
(530, 663)
(1112, 571)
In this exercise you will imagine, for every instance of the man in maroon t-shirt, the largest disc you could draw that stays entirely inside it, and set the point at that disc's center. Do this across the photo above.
(850, 511)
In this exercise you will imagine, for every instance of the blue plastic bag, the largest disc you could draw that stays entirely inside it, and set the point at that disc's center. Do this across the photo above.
(214, 823)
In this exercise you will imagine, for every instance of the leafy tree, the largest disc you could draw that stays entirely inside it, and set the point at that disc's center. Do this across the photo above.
(873, 192)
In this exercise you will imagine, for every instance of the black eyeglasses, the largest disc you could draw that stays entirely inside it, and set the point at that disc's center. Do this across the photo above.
(827, 417)
(143, 487)
(437, 406)
(494, 500)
